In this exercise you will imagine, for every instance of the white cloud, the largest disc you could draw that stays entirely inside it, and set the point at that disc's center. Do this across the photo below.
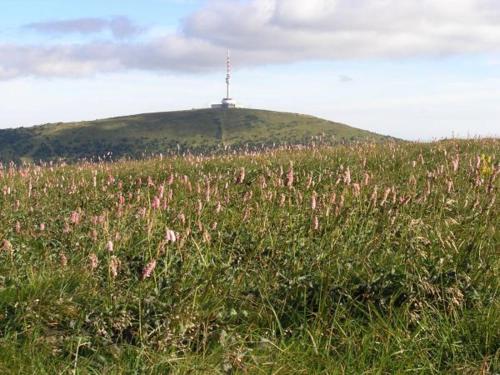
(276, 31)
(326, 29)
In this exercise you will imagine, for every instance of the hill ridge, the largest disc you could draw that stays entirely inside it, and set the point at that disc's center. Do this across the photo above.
(197, 130)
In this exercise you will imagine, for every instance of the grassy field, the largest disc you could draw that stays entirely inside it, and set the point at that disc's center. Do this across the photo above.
(154, 133)
(373, 258)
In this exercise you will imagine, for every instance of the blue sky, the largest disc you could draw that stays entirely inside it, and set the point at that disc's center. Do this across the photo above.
(417, 69)
(162, 12)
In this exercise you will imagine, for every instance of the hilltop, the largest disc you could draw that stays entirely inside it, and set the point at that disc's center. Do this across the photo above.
(152, 133)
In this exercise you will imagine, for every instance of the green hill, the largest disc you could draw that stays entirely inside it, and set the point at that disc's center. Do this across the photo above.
(146, 134)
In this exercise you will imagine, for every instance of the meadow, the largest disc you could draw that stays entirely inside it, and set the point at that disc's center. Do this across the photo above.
(364, 258)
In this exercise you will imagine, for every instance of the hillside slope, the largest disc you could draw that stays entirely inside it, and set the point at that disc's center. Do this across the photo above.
(144, 134)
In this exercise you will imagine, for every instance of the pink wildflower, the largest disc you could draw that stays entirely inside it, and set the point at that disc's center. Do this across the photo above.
(241, 176)
(315, 223)
(207, 192)
(170, 180)
(356, 189)
(374, 195)
(63, 260)
(449, 186)
(109, 246)
(155, 205)
(170, 236)
(114, 265)
(94, 261)
(141, 212)
(313, 200)
(455, 162)
(309, 181)
(74, 218)
(206, 237)
(386, 195)
(347, 176)
(366, 180)
(282, 200)
(7, 246)
(182, 218)
(148, 270)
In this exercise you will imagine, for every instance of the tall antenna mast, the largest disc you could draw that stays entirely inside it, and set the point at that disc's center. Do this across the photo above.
(228, 75)
(227, 102)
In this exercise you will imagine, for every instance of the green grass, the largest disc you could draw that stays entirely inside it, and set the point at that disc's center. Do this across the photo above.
(400, 274)
(196, 130)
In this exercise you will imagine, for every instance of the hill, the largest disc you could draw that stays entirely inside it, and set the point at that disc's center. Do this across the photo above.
(152, 133)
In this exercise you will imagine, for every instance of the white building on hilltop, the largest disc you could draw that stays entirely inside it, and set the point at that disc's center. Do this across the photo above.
(227, 102)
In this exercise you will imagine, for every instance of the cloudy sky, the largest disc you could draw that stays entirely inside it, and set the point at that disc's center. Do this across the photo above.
(416, 69)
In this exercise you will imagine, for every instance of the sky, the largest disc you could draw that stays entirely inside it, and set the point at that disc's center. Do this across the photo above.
(414, 69)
